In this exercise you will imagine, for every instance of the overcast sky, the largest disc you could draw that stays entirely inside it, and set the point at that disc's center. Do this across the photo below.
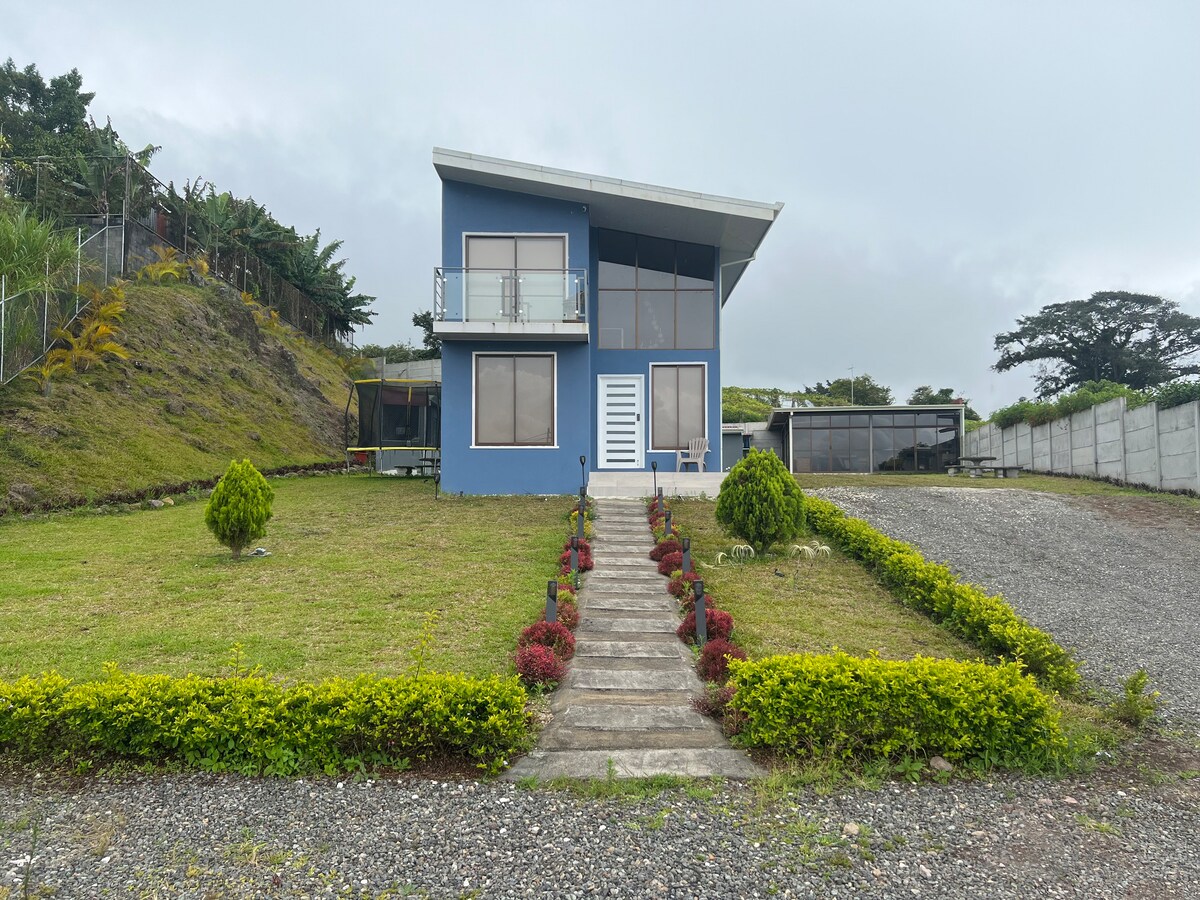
(946, 166)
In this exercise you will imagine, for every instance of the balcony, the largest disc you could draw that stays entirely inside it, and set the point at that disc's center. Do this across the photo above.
(510, 304)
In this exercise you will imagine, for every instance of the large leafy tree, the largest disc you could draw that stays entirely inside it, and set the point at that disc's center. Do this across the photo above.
(1137, 340)
(925, 395)
(39, 118)
(862, 390)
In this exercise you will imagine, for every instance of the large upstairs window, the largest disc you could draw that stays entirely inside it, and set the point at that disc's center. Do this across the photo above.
(655, 294)
(678, 411)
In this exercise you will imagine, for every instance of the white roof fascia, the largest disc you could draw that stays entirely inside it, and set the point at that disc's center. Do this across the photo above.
(598, 184)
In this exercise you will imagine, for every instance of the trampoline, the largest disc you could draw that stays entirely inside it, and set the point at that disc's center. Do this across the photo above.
(399, 423)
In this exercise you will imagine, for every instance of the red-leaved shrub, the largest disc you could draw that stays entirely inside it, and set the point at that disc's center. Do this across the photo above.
(585, 546)
(537, 664)
(554, 635)
(714, 702)
(568, 612)
(670, 563)
(585, 561)
(713, 664)
(719, 622)
(663, 547)
(681, 586)
(565, 587)
(687, 602)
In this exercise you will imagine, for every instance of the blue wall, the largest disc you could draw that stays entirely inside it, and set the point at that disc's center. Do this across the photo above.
(515, 470)
(637, 362)
(471, 208)
(545, 470)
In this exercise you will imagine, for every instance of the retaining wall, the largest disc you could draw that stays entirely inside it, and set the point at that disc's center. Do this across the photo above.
(1146, 446)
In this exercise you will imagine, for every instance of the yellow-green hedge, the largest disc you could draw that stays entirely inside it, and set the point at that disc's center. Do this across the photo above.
(254, 726)
(845, 706)
(986, 621)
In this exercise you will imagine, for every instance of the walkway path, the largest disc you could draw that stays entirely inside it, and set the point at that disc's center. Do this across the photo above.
(625, 702)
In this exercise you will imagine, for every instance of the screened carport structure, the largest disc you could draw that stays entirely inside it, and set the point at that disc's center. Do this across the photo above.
(399, 423)
(870, 438)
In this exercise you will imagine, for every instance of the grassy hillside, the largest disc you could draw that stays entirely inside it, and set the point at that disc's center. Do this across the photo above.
(204, 383)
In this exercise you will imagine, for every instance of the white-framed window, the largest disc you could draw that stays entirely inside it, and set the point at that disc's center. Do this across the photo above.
(678, 404)
(515, 399)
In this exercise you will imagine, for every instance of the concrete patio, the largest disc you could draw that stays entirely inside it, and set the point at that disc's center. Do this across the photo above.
(628, 485)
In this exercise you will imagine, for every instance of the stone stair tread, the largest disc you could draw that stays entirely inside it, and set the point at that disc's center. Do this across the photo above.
(631, 680)
(626, 663)
(650, 739)
(630, 649)
(696, 763)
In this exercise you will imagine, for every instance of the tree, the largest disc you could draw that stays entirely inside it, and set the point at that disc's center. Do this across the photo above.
(1137, 340)
(433, 343)
(745, 405)
(240, 505)
(863, 390)
(927, 396)
(760, 502)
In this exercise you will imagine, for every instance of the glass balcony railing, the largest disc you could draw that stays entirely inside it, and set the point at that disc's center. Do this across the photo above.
(510, 295)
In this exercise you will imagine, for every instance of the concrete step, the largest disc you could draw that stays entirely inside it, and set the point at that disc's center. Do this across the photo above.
(585, 635)
(644, 650)
(610, 625)
(631, 717)
(598, 698)
(657, 603)
(695, 763)
(657, 739)
(626, 680)
(626, 663)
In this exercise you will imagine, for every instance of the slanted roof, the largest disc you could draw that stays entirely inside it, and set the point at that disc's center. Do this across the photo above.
(737, 227)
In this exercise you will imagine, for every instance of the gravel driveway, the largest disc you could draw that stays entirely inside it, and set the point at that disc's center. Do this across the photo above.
(1115, 577)
(200, 836)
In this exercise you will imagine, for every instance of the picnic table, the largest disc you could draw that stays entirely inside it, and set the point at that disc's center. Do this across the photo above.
(977, 465)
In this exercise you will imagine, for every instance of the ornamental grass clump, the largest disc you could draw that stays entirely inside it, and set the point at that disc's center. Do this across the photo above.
(760, 501)
(240, 505)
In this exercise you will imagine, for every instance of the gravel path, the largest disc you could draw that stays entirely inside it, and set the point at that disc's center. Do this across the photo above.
(1116, 578)
(199, 836)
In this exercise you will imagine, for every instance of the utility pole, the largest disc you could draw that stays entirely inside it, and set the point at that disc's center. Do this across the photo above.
(852, 385)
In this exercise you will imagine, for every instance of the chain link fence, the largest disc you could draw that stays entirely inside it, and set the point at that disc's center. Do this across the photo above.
(121, 212)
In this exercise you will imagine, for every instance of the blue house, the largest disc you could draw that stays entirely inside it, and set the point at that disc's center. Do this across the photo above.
(579, 317)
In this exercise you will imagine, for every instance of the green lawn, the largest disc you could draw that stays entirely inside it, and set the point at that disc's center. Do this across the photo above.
(813, 608)
(356, 564)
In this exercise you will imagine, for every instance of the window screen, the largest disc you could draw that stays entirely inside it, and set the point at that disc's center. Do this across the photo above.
(677, 406)
(514, 400)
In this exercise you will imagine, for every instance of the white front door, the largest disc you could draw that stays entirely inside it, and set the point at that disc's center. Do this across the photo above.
(621, 432)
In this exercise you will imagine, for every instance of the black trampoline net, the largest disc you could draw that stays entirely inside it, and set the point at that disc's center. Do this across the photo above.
(399, 415)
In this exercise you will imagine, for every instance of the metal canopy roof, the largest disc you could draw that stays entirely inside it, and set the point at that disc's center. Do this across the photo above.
(779, 415)
(735, 226)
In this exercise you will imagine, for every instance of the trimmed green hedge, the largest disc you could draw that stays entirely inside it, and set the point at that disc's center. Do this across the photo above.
(850, 707)
(986, 621)
(254, 726)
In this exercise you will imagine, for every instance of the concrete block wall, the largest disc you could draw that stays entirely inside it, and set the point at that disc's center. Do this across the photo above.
(1146, 446)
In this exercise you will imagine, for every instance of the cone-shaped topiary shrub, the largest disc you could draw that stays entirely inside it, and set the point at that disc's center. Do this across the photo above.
(240, 505)
(760, 501)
